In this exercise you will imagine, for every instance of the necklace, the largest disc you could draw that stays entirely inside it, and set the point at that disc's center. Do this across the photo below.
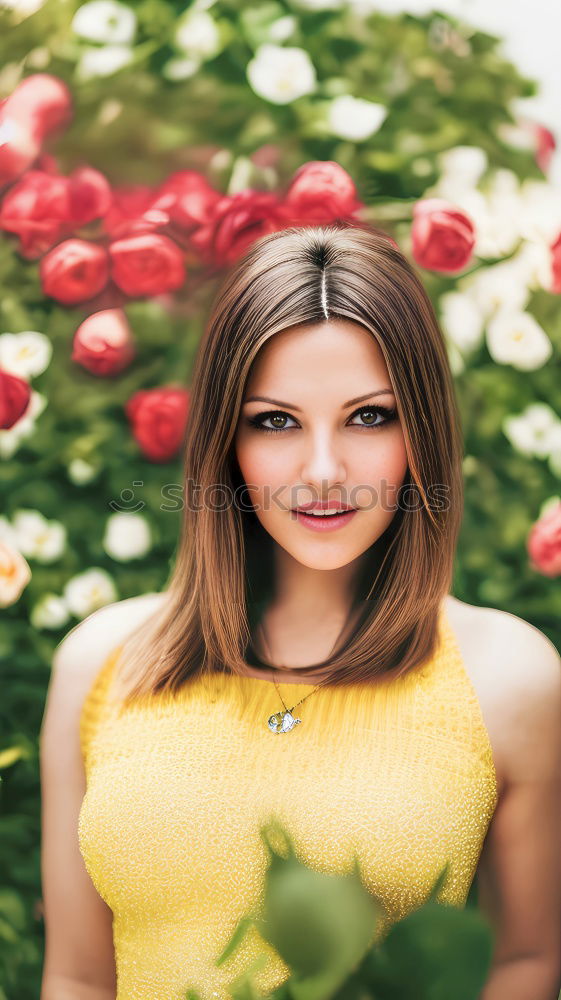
(283, 722)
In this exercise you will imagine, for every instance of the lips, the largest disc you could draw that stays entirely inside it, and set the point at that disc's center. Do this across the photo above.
(307, 508)
(330, 521)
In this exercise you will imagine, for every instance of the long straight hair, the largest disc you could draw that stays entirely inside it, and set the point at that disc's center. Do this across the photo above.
(221, 579)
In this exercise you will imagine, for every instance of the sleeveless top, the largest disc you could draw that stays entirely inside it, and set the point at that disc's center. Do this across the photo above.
(400, 771)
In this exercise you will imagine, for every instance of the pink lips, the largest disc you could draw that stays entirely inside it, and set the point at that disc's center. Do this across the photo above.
(324, 505)
(325, 522)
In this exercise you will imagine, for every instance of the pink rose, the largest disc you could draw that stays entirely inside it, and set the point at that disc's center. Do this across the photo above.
(18, 149)
(188, 198)
(103, 343)
(545, 146)
(74, 271)
(236, 222)
(544, 543)
(15, 574)
(158, 418)
(42, 103)
(147, 264)
(320, 191)
(15, 394)
(443, 237)
(556, 266)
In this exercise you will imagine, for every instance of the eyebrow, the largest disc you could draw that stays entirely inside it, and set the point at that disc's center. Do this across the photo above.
(291, 406)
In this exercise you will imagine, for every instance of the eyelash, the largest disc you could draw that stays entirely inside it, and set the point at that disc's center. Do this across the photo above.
(388, 414)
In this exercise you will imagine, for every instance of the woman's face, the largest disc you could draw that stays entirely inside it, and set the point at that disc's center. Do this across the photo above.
(327, 430)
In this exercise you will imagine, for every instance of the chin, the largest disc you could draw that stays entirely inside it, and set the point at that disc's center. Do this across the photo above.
(326, 560)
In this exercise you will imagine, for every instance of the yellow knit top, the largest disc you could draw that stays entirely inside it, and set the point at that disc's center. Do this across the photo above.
(399, 771)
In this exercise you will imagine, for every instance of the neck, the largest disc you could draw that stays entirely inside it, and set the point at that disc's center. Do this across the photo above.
(307, 614)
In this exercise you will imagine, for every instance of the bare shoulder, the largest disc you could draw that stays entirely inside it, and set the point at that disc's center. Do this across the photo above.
(82, 652)
(516, 672)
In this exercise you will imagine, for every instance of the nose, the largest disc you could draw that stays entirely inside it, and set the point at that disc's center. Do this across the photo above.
(323, 468)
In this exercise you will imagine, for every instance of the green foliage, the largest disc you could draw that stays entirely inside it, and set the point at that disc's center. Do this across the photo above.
(324, 927)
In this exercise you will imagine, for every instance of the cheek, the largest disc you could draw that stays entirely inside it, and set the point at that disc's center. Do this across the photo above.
(386, 462)
(260, 464)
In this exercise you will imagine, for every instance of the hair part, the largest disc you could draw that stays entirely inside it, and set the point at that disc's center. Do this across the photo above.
(221, 579)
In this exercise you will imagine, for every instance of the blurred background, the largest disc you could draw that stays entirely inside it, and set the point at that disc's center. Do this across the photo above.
(143, 147)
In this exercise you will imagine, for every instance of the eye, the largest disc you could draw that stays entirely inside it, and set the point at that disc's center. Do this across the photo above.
(370, 413)
(276, 416)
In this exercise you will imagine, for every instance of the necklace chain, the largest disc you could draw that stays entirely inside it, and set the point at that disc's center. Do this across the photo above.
(283, 722)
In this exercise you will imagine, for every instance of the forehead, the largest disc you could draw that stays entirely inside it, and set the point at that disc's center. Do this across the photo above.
(308, 356)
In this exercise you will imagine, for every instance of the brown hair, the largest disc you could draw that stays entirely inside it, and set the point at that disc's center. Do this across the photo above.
(218, 585)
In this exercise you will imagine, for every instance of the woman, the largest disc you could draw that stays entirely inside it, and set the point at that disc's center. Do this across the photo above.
(310, 665)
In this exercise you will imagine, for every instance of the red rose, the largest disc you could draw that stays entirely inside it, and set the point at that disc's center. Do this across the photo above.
(544, 543)
(43, 207)
(132, 211)
(74, 271)
(237, 221)
(320, 191)
(15, 394)
(556, 265)
(147, 264)
(158, 419)
(36, 208)
(42, 103)
(188, 198)
(443, 237)
(89, 195)
(103, 343)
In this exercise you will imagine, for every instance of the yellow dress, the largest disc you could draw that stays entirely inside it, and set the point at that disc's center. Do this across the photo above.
(400, 771)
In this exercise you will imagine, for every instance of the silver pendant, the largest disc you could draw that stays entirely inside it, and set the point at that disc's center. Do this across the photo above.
(282, 722)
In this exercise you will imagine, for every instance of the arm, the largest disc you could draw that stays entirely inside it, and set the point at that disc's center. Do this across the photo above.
(79, 956)
(519, 876)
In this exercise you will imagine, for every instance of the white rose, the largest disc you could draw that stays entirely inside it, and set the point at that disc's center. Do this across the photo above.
(536, 431)
(496, 287)
(281, 74)
(462, 320)
(197, 35)
(11, 439)
(23, 7)
(282, 28)
(533, 262)
(540, 210)
(465, 164)
(127, 536)
(15, 574)
(353, 118)
(516, 338)
(102, 62)
(37, 537)
(25, 354)
(49, 612)
(105, 21)
(89, 591)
